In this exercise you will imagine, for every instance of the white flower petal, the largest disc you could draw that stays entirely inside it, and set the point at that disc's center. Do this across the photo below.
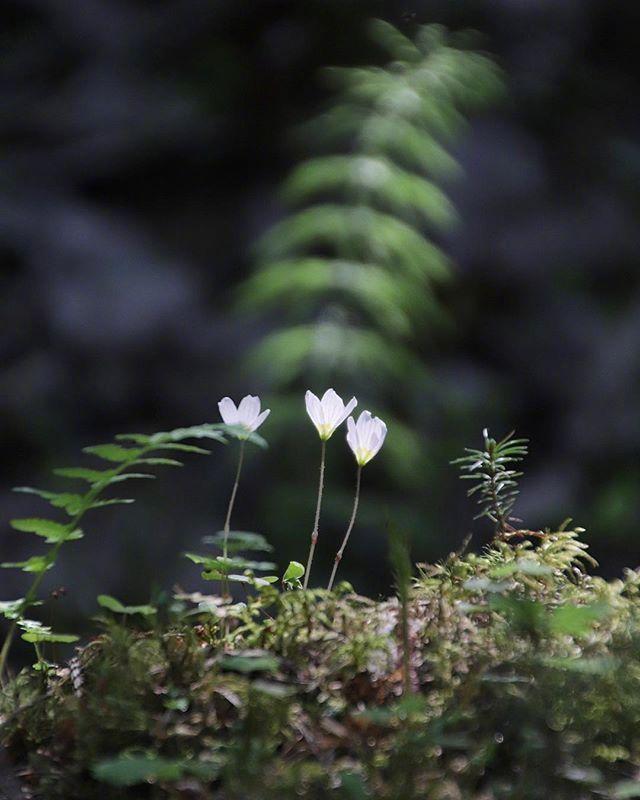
(329, 396)
(248, 411)
(352, 435)
(362, 426)
(244, 407)
(332, 405)
(365, 437)
(260, 419)
(313, 407)
(328, 413)
(346, 411)
(228, 411)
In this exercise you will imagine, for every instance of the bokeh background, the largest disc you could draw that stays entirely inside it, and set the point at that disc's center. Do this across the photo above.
(143, 145)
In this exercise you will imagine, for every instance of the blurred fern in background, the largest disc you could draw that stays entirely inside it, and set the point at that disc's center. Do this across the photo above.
(352, 272)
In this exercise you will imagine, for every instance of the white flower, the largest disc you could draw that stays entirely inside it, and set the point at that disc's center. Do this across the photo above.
(330, 412)
(247, 415)
(365, 437)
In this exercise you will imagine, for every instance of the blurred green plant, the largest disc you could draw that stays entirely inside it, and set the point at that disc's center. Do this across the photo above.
(352, 272)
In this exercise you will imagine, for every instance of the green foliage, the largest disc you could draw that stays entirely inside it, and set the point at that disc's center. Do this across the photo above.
(239, 540)
(506, 673)
(36, 633)
(517, 674)
(110, 603)
(235, 568)
(249, 662)
(122, 460)
(53, 532)
(496, 482)
(130, 770)
(238, 432)
(402, 570)
(292, 575)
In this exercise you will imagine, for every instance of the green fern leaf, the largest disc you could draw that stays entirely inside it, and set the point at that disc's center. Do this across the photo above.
(34, 564)
(53, 532)
(113, 452)
(82, 473)
(71, 503)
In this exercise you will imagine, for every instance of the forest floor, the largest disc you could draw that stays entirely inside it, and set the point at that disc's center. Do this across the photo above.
(512, 673)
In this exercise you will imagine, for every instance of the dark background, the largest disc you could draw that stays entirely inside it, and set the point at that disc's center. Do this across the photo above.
(142, 146)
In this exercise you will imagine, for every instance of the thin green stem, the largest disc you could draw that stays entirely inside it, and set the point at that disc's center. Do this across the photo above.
(406, 644)
(340, 552)
(314, 533)
(227, 522)
(52, 555)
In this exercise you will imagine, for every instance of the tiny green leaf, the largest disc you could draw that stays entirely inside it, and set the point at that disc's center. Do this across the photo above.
(35, 631)
(34, 564)
(49, 636)
(127, 476)
(204, 431)
(138, 438)
(160, 462)
(129, 770)
(112, 604)
(238, 432)
(12, 609)
(53, 532)
(479, 584)
(577, 620)
(239, 540)
(249, 662)
(71, 503)
(113, 452)
(253, 580)
(81, 473)
(293, 573)
(184, 448)
(522, 566)
(113, 501)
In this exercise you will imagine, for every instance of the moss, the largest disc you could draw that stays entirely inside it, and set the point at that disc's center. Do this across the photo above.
(524, 678)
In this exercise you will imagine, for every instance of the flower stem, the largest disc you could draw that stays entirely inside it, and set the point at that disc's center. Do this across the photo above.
(338, 557)
(314, 534)
(227, 522)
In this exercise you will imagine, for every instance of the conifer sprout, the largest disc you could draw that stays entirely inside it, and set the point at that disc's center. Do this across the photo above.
(327, 415)
(496, 481)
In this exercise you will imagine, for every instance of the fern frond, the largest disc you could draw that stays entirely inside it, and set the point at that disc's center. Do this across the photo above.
(122, 462)
(357, 231)
(395, 189)
(326, 347)
(390, 304)
(356, 246)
